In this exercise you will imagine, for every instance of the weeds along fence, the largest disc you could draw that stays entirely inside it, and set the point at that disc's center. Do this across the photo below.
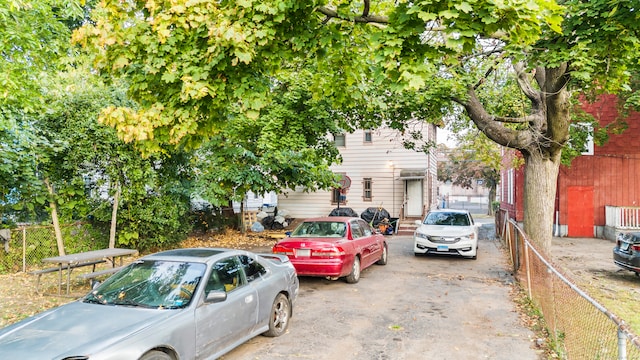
(579, 327)
(28, 245)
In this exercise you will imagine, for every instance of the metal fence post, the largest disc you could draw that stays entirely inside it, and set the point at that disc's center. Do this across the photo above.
(622, 345)
(24, 249)
(525, 249)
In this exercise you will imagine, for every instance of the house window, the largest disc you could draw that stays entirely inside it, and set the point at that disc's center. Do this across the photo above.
(338, 196)
(510, 186)
(367, 136)
(587, 147)
(366, 189)
(339, 139)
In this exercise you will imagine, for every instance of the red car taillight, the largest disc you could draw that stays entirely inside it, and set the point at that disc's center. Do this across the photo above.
(279, 249)
(635, 247)
(334, 251)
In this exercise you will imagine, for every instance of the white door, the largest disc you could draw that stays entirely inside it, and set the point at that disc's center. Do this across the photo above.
(414, 198)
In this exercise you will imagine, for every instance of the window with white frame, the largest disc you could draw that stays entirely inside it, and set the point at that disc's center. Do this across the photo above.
(510, 186)
(587, 148)
(339, 140)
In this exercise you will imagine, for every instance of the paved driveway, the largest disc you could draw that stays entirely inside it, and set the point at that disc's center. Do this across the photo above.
(412, 308)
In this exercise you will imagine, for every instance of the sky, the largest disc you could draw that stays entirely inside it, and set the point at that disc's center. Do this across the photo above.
(442, 137)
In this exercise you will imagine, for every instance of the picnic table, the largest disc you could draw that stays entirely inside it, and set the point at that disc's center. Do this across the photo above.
(88, 258)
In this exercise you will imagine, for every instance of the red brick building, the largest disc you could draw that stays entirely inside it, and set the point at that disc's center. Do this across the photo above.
(606, 176)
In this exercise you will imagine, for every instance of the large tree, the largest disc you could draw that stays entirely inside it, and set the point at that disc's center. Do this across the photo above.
(192, 64)
(34, 39)
(287, 147)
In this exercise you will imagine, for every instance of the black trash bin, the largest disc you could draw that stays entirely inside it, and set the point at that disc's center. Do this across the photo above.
(344, 211)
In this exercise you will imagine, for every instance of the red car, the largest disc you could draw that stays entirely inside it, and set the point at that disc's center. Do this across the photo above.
(333, 247)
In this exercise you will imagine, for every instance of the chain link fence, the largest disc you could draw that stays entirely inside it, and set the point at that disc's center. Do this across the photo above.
(578, 325)
(28, 245)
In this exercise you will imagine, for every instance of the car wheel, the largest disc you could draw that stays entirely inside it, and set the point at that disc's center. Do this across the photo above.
(383, 257)
(279, 317)
(354, 276)
(156, 355)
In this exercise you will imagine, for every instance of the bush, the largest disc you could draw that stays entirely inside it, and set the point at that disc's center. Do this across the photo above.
(209, 218)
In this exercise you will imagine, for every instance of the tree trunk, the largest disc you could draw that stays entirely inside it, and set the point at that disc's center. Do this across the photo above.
(114, 217)
(54, 218)
(243, 226)
(540, 183)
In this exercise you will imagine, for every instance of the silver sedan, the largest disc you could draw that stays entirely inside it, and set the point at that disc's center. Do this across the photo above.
(178, 304)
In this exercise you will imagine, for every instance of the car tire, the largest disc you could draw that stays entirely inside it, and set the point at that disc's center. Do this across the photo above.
(156, 355)
(354, 276)
(279, 316)
(384, 256)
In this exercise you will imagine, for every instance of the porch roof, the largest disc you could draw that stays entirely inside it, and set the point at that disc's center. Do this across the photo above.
(412, 174)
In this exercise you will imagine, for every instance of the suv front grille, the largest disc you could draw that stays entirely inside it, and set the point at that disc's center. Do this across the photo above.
(443, 239)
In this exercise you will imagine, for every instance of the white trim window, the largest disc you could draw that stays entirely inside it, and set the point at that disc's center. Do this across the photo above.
(510, 186)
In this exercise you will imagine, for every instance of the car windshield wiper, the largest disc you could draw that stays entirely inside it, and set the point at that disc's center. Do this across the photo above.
(129, 302)
(91, 298)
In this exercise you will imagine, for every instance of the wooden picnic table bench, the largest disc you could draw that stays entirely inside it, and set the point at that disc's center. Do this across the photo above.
(88, 258)
(95, 274)
(41, 272)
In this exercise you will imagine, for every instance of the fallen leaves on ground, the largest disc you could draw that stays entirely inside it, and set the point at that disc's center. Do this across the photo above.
(235, 240)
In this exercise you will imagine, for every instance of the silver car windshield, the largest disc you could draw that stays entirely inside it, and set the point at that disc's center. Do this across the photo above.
(447, 218)
(320, 229)
(150, 284)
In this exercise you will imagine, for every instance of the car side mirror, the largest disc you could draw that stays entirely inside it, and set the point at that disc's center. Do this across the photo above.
(215, 296)
(418, 222)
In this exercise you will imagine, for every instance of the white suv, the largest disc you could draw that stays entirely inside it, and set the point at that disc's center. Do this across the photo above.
(446, 231)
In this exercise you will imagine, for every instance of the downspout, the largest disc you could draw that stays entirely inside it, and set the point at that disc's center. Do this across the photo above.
(556, 232)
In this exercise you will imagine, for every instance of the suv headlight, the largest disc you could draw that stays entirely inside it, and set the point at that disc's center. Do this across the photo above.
(421, 235)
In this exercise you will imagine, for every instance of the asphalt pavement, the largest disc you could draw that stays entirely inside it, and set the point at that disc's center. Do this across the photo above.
(415, 307)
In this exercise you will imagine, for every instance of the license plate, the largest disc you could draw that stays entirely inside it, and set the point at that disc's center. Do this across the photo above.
(303, 252)
(624, 246)
(442, 248)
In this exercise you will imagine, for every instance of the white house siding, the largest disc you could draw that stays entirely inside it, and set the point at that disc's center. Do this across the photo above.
(382, 160)
(253, 201)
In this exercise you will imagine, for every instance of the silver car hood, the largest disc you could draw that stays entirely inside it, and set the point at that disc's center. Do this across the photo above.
(75, 329)
(444, 230)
